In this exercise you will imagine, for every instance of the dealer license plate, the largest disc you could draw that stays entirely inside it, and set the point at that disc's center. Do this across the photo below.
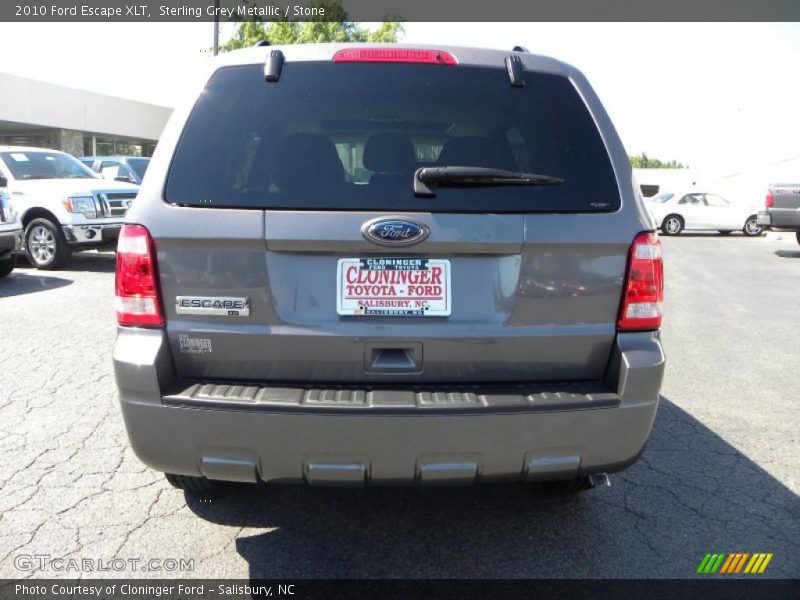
(393, 287)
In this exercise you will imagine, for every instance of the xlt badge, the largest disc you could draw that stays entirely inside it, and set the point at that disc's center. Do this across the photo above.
(204, 305)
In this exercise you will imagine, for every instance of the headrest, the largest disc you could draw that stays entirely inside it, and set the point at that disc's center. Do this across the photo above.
(303, 161)
(389, 153)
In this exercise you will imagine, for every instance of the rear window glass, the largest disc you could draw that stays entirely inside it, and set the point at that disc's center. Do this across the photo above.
(335, 136)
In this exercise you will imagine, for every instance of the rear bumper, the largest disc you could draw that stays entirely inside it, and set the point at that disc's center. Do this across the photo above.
(786, 219)
(333, 446)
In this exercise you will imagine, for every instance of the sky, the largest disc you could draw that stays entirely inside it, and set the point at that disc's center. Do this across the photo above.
(717, 96)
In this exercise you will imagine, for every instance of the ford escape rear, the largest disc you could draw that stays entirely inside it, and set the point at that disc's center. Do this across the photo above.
(390, 264)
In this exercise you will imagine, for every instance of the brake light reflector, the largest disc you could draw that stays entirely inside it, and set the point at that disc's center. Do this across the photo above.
(137, 302)
(770, 199)
(644, 286)
(395, 55)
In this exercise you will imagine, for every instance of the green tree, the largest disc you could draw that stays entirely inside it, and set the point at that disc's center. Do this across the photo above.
(333, 27)
(642, 161)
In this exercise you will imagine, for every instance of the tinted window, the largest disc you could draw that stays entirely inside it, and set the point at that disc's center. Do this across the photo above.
(662, 197)
(350, 136)
(139, 165)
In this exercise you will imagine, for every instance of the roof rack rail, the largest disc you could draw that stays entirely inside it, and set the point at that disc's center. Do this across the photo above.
(516, 74)
(260, 43)
(273, 66)
(520, 49)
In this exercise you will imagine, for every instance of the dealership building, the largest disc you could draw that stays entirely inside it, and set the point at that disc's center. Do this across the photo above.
(82, 123)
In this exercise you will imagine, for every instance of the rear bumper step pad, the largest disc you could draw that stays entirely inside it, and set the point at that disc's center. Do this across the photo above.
(545, 397)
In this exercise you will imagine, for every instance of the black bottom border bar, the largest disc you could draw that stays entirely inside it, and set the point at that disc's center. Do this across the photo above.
(732, 588)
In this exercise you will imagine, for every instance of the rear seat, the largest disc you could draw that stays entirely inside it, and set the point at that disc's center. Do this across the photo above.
(307, 148)
(391, 158)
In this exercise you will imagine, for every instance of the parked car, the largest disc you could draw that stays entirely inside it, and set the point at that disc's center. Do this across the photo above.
(782, 208)
(63, 204)
(675, 212)
(283, 318)
(130, 169)
(10, 232)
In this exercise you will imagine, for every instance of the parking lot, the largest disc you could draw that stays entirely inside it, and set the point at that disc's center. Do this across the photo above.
(721, 472)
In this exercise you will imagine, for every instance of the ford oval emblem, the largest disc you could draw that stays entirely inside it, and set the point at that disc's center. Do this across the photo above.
(390, 231)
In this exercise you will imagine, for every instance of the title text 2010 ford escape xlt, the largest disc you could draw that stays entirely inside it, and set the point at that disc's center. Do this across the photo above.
(389, 264)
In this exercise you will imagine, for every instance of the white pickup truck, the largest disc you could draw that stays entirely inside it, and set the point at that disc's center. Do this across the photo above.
(63, 205)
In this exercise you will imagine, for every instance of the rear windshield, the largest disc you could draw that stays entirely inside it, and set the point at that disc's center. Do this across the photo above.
(339, 136)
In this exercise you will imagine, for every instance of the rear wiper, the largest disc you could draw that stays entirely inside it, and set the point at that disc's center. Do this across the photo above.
(427, 179)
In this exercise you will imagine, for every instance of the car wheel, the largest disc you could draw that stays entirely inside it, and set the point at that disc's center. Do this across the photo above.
(798, 237)
(751, 227)
(725, 231)
(672, 225)
(189, 483)
(7, 265)
(45, 245)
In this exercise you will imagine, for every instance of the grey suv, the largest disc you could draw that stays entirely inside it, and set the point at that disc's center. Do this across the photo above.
(389, 265)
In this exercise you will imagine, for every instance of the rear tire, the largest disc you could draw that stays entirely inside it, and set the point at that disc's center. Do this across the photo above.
(798, 237)
(188, 483)
(45, 245)
(751, 227)
(672, 225)
(7, 265)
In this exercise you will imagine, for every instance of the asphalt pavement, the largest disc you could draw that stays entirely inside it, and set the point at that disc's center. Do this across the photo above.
(720, 474)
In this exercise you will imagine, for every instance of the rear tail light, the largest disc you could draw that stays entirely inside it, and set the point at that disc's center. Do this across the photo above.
(770, 202)
(644, 286)
(395, 55)
(138, 302)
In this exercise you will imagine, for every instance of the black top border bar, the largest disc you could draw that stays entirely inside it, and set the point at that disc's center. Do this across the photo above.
(404, 10)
